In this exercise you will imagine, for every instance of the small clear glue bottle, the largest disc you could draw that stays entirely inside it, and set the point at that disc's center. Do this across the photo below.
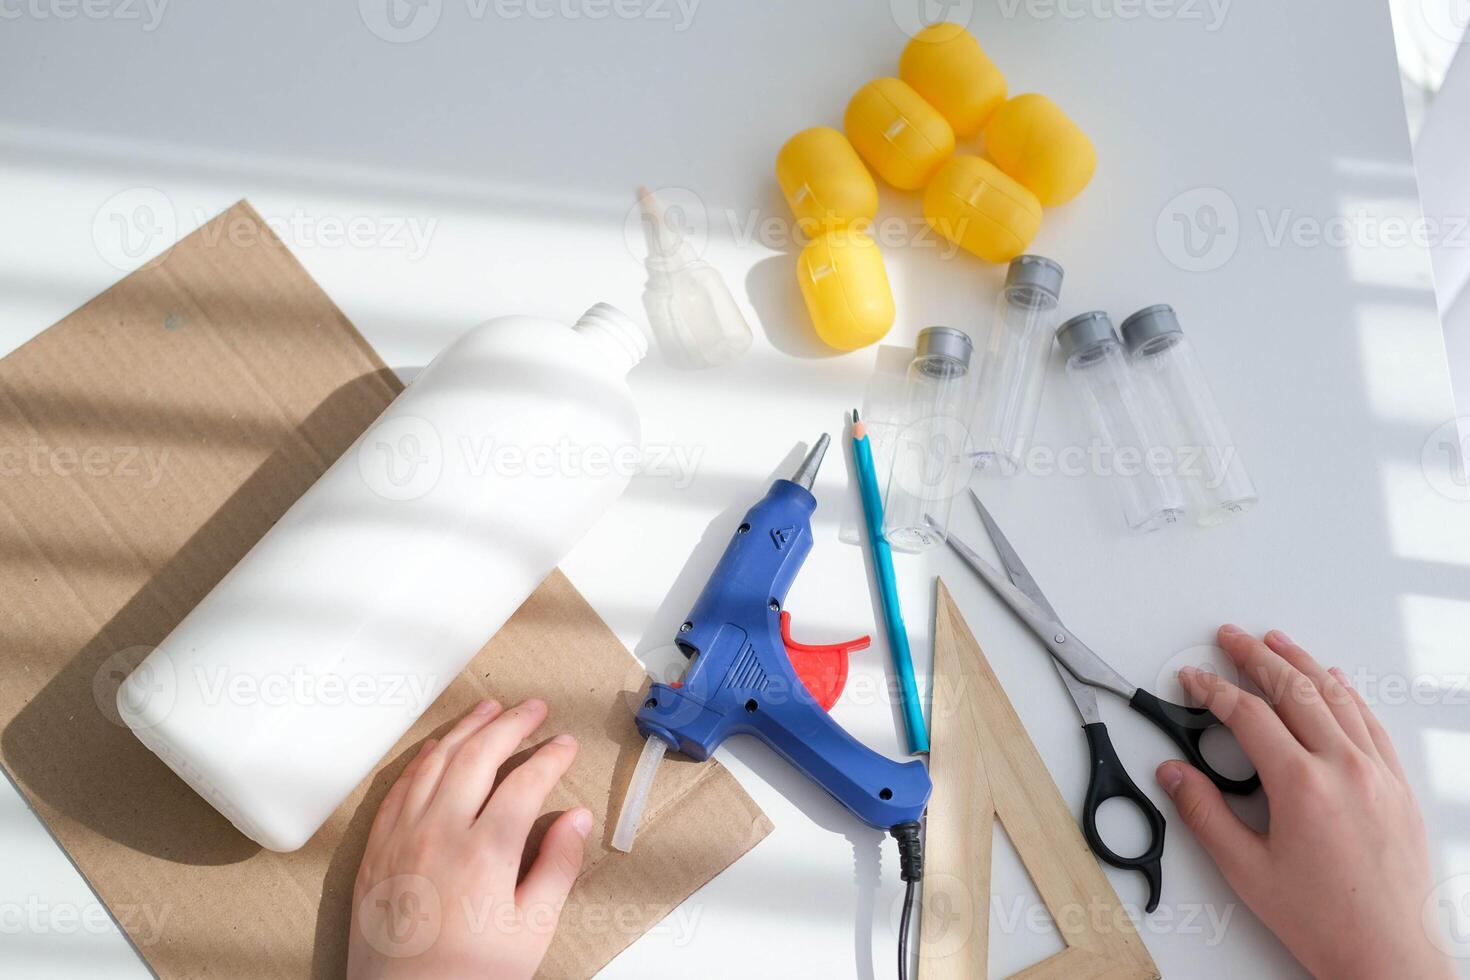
(1013, 369)
(930, 444)
(693, 315)
(1181, 406)
(1098, 370)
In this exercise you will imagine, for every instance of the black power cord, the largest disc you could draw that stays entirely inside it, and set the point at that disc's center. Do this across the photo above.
(911, 870)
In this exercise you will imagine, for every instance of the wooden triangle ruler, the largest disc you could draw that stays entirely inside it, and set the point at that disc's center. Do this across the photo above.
(984, 766)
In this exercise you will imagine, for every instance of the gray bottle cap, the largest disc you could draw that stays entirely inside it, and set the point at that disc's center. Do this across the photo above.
(1149, 324)
(1084, 332)
(946, 342)
(1031, 279)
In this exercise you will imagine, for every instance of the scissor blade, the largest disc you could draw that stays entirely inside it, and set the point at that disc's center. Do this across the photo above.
(1065, 648)
(1083, 696)
(1040, 620)
(1014, 567)
(1042, 623)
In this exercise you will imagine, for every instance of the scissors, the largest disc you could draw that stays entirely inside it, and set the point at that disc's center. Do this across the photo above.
(1082, 671)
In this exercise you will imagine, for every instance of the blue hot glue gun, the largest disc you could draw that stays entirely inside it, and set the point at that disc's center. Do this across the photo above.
(746, 677)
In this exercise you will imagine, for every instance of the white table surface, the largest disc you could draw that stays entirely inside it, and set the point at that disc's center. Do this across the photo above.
(488, 167)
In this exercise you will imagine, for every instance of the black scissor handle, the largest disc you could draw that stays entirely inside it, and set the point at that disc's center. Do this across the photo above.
(1110, 780)
(1186, 727)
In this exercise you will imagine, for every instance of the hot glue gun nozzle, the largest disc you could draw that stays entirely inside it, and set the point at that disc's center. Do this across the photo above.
(806, 473)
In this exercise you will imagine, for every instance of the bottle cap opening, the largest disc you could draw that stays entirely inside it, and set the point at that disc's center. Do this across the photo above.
(1085, 332)
(946, 342)
(618, 334)
(1033, 281)
(1149, 324)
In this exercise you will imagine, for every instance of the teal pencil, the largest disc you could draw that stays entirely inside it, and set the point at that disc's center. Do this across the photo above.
(898, 634)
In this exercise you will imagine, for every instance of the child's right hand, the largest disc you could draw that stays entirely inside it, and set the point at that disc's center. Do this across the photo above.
(1343, 872)
(439, 893)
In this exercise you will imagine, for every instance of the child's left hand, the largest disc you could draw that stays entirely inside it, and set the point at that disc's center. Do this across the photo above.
(436, 895)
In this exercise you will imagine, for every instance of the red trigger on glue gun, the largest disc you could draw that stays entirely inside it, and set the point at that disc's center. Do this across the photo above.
(823, 669)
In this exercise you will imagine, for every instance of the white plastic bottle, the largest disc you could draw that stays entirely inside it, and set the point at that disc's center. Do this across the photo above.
(293, 677)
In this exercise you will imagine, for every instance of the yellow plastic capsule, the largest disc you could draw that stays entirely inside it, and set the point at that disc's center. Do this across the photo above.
(845, 286)
(1034, 141)
(902, 137)
(982, 210)
(825, 181)
(945, 64)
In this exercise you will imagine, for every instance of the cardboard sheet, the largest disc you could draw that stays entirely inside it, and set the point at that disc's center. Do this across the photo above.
(146, 441)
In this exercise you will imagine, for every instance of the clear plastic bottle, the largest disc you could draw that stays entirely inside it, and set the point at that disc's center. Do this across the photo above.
(693, 315)
(930, 446)
(304, 665)
(1181, 406)
(1013, 370)
(1099, 373)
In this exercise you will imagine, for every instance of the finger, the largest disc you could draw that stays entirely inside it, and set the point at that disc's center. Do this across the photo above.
(520, 796)
(1259, 730)
(1376, 731)
(431, 770)
(1236, 848)
(471, 774)
(1295, 698)
(1334, 694)
(544, 890)
(392, 805)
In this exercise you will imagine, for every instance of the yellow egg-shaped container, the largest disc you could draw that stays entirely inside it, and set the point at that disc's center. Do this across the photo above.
(946, 66)
(982, 210)
(845, 286)
(825, 182)
(1031, 139)
(902, 137)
